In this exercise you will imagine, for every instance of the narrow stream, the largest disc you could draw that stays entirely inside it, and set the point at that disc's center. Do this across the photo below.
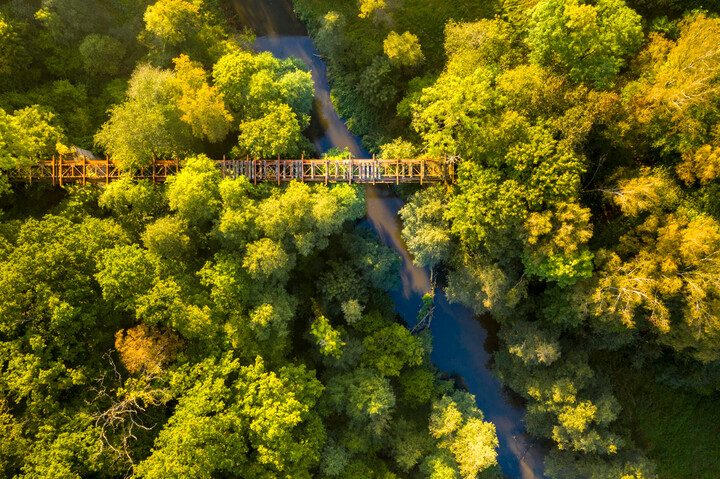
(462, 344)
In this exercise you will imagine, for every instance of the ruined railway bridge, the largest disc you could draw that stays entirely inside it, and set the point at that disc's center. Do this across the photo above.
(328, 170)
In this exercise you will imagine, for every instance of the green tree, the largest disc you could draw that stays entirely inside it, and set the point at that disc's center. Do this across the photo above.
(12, 51)
(202, 105)
(532, 343)
(364, 397)
(398, 148)
(12, 443)
(403, 50)
(172, 21)
(168, 237)
(302, 217)
(391, 348)
(327, 337)
(277, 133)
(481, 43)
(425, 231)
(25, 134)
(194, 192)
(56, 352)
(242, 421)
(250, 82)
(331, 34)
(565, 465)
(102, 55)
(677, 90)
(133, 203)
(125, 273)
(371, 7)
(376, 263)
(565, 402)
(588, 41)
(459, 426)
(179, 307)
(266, 259)
(147, 123)
(376, 84)
(667, 281)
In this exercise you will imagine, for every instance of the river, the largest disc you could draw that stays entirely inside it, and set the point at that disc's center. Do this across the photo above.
(462, 344)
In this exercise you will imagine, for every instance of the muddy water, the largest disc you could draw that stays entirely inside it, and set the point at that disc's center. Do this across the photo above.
(462, 345)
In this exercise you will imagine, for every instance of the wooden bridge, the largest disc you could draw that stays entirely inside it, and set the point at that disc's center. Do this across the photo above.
(348, 170)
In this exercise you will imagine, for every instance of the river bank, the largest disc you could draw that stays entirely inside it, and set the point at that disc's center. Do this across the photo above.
(459, 338)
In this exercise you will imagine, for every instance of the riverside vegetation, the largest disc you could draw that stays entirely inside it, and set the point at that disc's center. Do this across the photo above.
(206, 327)
(212, 328)
(585, 218)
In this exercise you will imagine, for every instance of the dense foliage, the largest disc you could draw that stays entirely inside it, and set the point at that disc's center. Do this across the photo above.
(206, 327)
(209, 327)
(584, 218)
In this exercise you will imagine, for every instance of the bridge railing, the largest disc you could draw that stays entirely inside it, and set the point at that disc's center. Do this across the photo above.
(349, 170)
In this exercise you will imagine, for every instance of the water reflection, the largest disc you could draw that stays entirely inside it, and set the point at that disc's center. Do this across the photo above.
(382, 208)
(459, 338)
(269, 17)
(334, 133)
(461, 345)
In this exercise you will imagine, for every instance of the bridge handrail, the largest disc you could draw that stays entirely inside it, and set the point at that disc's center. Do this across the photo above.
(59, 170)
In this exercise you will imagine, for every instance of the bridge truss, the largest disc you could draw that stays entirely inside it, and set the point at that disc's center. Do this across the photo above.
(348, 170)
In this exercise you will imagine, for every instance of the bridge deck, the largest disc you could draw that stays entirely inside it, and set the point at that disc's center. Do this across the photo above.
(420, 170)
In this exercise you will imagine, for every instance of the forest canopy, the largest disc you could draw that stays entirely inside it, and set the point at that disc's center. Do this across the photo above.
(206, 326)
(212, 327)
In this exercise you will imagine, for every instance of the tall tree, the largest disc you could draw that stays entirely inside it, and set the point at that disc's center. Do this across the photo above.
(147, 123)
(588, 41)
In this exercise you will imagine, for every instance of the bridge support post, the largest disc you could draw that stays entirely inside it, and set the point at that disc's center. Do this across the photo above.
(327, 169)
(350, 167)
(302, 168)
(153, 169)
(255, 170)
(107, 170)
(422, 171)
(223, 167)
(61, 173)
(373, 169)
(397, 170)
(52, 170)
